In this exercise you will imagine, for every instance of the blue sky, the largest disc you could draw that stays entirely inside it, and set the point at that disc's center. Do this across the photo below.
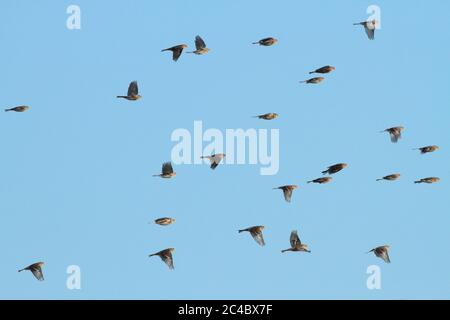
(75, 177)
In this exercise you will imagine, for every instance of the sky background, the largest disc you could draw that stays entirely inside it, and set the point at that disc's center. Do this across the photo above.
(75, 170)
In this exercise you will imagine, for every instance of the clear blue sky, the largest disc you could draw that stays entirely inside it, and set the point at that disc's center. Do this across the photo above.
(75, 177)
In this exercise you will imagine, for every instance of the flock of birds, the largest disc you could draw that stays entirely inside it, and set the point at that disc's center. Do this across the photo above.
(256, 232)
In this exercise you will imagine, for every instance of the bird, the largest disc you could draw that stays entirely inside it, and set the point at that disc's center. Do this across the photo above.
(391, 177)
(321, 180)
(167, 171)
(369, 27)
(165, 221)
(133, 92)
(395, 133)
(36, 269)
(382, 252)
(267, 42)
(326, 69)
(335, 168)
(176, 51)
(314, 80)
(427, 149)
(296, 244)
(256, 233)
(18, 109)
(166, 257)
(287, 191)
(267, 116)
(215, 159)
(200, 46)
(428, 180)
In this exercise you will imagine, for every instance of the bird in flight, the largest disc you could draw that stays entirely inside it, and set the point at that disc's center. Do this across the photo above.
(133, 92)
(267, 42)
(321, 180)
(391, 177)
(166, 257)
(382, 252)
(256, 233)
(335, 168)
(428, 149)
(296, 244)
(369, 27)
(428, 180)
(323, 70)
(167, 171)
(215, 159)
(395, 133)
(165, 221)
(36, 270)
(18, 109)
(176, 51)
(287, 191)
(267, 116)
(200, 46)
(313, 80)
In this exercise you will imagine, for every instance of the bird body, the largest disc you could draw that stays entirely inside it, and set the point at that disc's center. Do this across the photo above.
(167, 171)
(215, 159)
(287, 191)
(267, 42)
(256, 233)
(428, 180)
(267, 116)
(133, 92)
(321, 180)
(326, 69)
(382, 253)
(36, 270)
(166, 256)
(165, 221)
(18, 109)
(335, 168)
(313, 80)
(391, 177)
(395, 133)
(428, 149)
(176, 51)
(296, 244)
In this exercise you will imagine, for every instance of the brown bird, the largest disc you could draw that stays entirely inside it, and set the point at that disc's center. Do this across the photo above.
(267, 116)
(287, 191)
(296, 244)
(314, 80)
(256, 233)
(391, 177)
(176, 51)
(200, 46)
(36, 270)
(267, 42)
(395, 133)
(167, 171)
(369, 27)
(382, 252)
(133, 92)
(321, 180)
(428, 149)
(18, 109)
(166, 257)
(335, 168)
(215, 159)
(326, 69)
(428, 180)
(165, 221)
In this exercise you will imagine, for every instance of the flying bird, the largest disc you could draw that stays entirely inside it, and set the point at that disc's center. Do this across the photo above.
(369, 27)
(287, 191)
(267, 42)
(321, 180)
(395, 133)
(267, 116)
(256, 233)
(382, 252)
(200, 46)
(428, 149)
(314, 80)
(166, 257)
(18, 109)
(36, 269)
(335, 168)
(323, 70)
(176, 51)
(428, 180)
(215, 159)
(296, 244)
(133, 92)
(391, 177)
(167, 171)
(165, 221)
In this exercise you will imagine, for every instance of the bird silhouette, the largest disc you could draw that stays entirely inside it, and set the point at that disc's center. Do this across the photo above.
(427, 149)
(335, 168)
(391, 177)
(267, 116)
(167, 171)
(321, 180)
(382, 253)
(296, 244)
(36, 270)
(287, 191)
(18, 109)
(323, 70)
(200, 46)
(313, 80)
(176, 51)
(428, 180)
(267, 42)
(215, 159)
(133, 92)
(166, 257)
(395, 133)
(165, 221)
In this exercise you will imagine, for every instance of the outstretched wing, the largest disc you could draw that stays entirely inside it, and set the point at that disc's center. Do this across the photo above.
(166, 256)
(258, 236)
(370, 30)
(294, 239)
(37, 272)
(133, 89)
(167, 168)
(177, 53)
(395, 135)
(287, 194)
(199, 43)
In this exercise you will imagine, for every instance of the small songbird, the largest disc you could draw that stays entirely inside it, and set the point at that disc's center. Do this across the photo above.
(428, 180)
(176, 51)
(256, 233)
(395, 133)
(18, 109)
(296, 244)
(321, 180)
(287, 191)
(36, 269)
(167, 171)
(427, 149)
(314, 80)
(369, 27)
(166, 256)
(165, 221)
(200, 46)
(215, 159)
(335, 168)
(391, 177)
(267, 116)
(323, 70)
(267, 42)
(133, 92)
(382, 252)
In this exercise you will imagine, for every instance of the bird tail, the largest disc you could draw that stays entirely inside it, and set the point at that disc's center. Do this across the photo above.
(21, 270)
(418, 181)
(165, 50)
(305, 81)
(156, 175)
(123, 97)
(152, 255)
(310, 181)
(255, 42)
(325, 172)
(380, 179)
(6, 110)
(240, 231)
(312, 72)
(283, 251)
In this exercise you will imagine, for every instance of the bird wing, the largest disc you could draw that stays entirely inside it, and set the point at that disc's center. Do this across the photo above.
(167, 168)
(133, 89)
(199, 43)
(37, 272)
(383, 254)
(177, 53)
(370, 30)
(166, 256)
(294, 239)
(395, 135)
(258, 236)
(287, 194)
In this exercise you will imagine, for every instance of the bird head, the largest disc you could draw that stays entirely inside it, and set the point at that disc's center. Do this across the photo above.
(171, 249)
